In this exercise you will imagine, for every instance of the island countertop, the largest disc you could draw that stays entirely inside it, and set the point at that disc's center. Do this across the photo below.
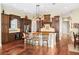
(43, 32)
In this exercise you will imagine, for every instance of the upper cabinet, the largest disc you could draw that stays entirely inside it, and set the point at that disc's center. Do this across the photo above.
(47, 18)
(25, 24)
(55, 23)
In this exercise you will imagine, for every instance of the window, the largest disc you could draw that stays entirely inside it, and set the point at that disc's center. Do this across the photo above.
(14, 24)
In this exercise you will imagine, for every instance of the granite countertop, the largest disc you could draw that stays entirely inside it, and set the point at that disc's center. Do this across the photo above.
(13, 31)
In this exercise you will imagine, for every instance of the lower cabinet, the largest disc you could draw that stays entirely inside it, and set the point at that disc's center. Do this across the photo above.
(14, 36)
(18, 36)
(5, 38)
(11, 37)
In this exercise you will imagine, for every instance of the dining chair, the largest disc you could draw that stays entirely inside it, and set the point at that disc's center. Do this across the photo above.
(76, 40)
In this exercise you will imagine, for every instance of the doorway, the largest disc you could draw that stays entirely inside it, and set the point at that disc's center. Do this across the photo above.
(65, 27)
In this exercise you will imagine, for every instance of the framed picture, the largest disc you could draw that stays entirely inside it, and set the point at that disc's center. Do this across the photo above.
(76, 25)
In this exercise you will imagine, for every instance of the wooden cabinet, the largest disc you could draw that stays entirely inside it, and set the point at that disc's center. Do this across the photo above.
(5, 27)
(14, 24)
(11, 37)
(56, 23)
(25, 25)
(21, 26)
(47, 18)
(40, 23)
(6, 24)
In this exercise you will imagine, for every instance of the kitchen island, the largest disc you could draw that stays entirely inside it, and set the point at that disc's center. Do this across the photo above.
(50, 36)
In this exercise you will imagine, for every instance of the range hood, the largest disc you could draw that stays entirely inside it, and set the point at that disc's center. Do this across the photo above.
(47, 28)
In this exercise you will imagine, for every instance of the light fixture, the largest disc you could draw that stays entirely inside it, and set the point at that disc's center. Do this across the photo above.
(37, 11)
(53, 3)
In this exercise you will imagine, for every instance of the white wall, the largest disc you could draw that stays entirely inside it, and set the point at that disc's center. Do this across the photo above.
(11, 10)
(74, 18)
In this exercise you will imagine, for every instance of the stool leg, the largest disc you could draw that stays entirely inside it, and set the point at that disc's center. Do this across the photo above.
(43, 43)
(47, 43)
(32, 42)
(38, 43)
(25, 41)
(35, 43)
(29, 41)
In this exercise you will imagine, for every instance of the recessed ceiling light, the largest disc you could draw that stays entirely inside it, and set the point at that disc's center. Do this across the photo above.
(37, 5)
(53, 3)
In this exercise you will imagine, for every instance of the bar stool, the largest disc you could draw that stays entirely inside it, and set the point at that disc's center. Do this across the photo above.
(36, 39)
(45, 38)
(30, 38)
(26, 38)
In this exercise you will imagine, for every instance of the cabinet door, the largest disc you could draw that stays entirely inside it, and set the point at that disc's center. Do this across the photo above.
(47, 18)
(5, 28)
(11, 37)
(5, 32)
(5, 19)
(57, 26)
(5, 38)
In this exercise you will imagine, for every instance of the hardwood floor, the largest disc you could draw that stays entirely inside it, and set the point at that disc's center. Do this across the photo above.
(18, 48)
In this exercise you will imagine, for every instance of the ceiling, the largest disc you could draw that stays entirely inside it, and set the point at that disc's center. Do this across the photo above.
(44, 8)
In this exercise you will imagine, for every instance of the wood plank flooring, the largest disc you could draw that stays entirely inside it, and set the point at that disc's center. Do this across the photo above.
(18, 48)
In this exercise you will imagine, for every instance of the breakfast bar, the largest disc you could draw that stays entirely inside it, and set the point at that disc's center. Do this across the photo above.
(42, 39)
